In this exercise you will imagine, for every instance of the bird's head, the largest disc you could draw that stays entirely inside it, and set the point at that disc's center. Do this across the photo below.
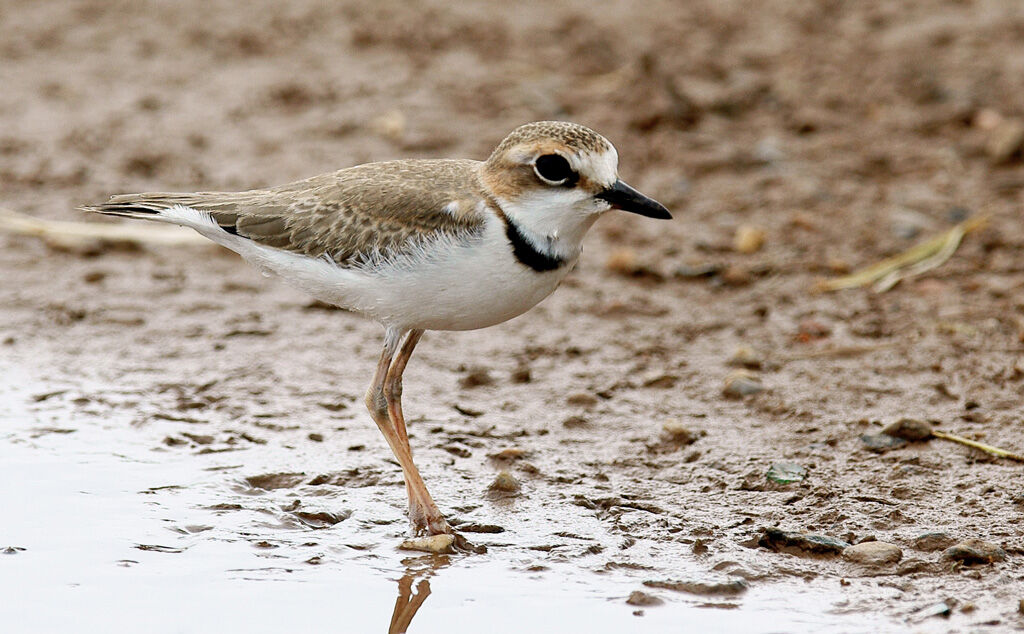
(555, 177)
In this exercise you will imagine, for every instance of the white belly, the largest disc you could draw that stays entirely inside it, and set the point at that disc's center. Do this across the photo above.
(444, 286)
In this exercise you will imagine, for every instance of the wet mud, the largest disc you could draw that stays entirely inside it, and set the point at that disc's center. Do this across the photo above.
(685, 433)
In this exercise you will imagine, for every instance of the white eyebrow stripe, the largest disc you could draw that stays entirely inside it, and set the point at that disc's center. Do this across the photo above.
(606, 166)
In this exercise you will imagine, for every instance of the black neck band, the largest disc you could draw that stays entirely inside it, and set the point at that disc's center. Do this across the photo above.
(526, 253)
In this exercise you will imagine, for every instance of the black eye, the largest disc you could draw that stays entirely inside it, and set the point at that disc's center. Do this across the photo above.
(554, 169)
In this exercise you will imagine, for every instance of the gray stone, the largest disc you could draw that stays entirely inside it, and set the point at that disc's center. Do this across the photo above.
(741, 383)
(802, 544)
(975, 551)
(880, 443)
(909, 429)
(873, 554)
(929, 542)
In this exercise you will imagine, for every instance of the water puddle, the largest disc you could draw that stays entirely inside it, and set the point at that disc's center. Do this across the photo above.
(106, 530)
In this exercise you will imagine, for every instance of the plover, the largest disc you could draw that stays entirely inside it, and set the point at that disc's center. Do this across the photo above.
(420, 245)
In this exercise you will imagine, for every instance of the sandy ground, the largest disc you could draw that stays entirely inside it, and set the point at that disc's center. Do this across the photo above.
(845, 131)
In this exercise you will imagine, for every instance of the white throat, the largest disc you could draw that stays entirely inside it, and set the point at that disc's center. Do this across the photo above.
(555, 222)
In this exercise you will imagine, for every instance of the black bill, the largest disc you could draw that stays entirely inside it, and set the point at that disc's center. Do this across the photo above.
(622, 196)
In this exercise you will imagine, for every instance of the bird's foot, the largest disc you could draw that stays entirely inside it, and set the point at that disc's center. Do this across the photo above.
(463, 545)
(428, 520)
(425, 522)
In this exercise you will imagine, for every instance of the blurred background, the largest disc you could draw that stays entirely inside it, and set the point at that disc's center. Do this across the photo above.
(861, 120)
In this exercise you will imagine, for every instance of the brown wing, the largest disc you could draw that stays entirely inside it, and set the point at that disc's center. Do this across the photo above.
(348, 214)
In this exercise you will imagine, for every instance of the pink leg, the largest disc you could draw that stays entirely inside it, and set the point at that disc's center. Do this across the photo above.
(423, 511)
(383, 399)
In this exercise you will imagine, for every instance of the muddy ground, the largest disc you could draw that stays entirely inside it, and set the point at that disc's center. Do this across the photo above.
(845, 131)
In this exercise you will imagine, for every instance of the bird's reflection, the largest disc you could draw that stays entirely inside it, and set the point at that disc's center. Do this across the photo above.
(407, 603)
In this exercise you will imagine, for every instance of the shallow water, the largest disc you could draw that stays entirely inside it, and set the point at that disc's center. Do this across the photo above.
(117, 534)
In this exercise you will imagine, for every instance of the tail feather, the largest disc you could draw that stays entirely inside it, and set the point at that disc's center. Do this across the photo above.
(126, 209)
(159, 206)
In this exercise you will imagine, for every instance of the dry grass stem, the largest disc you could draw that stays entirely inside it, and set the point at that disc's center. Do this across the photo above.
(920, 258)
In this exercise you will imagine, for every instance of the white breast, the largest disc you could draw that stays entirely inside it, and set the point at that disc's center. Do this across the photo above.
(442, 284)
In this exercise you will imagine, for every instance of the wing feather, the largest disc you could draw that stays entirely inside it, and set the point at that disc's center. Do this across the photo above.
(367, 211)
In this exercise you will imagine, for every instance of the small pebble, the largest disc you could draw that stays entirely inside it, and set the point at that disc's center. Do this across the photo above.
(748, 239)
(1006, 140)
(909, 429)
(639, 597)
(746, 357)
(880, 443)
(873, 554)
(439, 544)
(930, 542)
(800, 543)
(974, 551)
(315, 437)
(741, 383)
(505, 482)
